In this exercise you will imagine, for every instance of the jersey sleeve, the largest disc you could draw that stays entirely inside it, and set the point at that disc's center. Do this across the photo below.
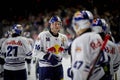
(66, 46)
(38, 47)
(27, 48)
(31, 41)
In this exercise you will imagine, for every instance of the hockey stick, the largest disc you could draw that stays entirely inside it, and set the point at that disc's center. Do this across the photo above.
(98, 56)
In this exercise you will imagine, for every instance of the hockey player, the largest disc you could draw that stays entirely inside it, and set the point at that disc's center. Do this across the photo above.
(14, 50)
(51, 47)
(31, 41)
(85, 48)
(5, 36)
(101, 27)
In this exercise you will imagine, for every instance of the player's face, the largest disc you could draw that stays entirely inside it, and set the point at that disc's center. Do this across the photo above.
(55, 27)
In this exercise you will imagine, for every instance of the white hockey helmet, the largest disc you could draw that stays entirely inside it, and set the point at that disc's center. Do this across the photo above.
(106, 27)
(17, 29)
(82, 20)
(99, 25)
(55, 19)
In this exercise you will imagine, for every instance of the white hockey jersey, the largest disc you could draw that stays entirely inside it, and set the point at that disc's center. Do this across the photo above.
(84, 50)
(15, 50)
(46, 42)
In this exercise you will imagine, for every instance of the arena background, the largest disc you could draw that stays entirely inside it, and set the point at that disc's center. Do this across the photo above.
(31, 12)
(34, 15)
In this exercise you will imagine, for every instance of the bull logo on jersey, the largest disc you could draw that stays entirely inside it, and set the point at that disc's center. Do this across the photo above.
(56, 49)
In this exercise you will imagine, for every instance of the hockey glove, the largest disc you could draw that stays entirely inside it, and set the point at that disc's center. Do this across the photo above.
(51, 58)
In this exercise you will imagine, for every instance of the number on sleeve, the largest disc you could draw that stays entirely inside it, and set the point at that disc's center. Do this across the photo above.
(37, 47)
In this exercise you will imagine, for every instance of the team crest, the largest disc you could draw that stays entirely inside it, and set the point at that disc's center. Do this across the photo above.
(47, 39)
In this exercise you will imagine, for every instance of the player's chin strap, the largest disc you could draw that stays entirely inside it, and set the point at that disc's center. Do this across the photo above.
(107, 37)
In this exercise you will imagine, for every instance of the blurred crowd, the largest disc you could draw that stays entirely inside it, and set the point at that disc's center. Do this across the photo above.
(35, 23)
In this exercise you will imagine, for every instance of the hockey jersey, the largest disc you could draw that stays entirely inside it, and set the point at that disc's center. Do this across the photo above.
(47, 43)
(84, 51)
(15, 50)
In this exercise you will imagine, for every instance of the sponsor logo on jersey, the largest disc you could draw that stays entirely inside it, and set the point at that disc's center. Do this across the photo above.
(109, 50)
(13, 42)
(78, 49)
(56, 49)
(96, 44)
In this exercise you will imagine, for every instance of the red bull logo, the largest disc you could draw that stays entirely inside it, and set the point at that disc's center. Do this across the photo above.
(13, 42)
(56, 49)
